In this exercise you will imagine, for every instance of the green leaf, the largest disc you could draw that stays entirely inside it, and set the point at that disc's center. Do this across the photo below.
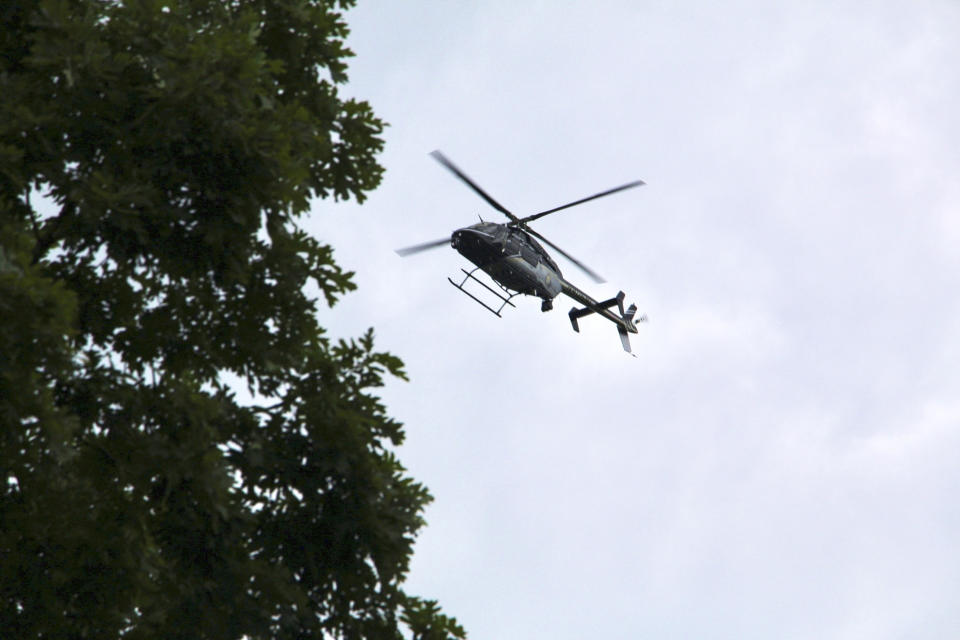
(179, 142)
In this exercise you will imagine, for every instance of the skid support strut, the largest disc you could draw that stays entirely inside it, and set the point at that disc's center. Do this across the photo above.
(504, 301)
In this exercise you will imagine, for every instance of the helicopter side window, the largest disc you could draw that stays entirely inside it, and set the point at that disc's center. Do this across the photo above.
(511, 247)
(529, 255)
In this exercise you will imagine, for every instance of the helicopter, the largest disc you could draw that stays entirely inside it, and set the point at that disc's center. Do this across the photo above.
(512, 256)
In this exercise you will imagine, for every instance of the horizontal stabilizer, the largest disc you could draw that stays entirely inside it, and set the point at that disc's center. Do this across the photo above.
(617, 300)
(624, 321)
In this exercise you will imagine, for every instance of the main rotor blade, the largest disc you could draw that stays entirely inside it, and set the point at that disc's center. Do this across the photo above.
(442, 159)
(629, 185)
(417, 248)
(596, 277)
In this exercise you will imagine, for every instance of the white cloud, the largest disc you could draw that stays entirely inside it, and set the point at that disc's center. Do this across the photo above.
(779, 460)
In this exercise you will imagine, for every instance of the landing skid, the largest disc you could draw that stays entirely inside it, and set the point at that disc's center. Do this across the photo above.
(504, 300)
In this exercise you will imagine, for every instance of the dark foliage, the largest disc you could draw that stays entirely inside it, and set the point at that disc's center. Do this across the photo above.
(177, 143)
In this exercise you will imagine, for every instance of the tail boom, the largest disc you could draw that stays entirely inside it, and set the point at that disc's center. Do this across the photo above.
(624, 322)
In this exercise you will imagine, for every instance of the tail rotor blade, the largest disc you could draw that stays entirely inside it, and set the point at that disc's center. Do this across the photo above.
(442, 159)
(417, 248)
(596, 277)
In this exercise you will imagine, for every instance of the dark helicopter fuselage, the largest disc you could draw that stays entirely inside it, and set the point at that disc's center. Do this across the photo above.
(511, 257)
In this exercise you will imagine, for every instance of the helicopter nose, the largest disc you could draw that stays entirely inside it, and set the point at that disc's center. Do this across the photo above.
(464, 238)
(469, 243)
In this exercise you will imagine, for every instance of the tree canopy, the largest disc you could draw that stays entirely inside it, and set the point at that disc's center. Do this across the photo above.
(155, 159)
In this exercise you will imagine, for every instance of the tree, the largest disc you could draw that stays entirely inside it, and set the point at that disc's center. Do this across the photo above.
(177, 143)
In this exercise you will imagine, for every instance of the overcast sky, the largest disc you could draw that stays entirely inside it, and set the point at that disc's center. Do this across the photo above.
(782, 459)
